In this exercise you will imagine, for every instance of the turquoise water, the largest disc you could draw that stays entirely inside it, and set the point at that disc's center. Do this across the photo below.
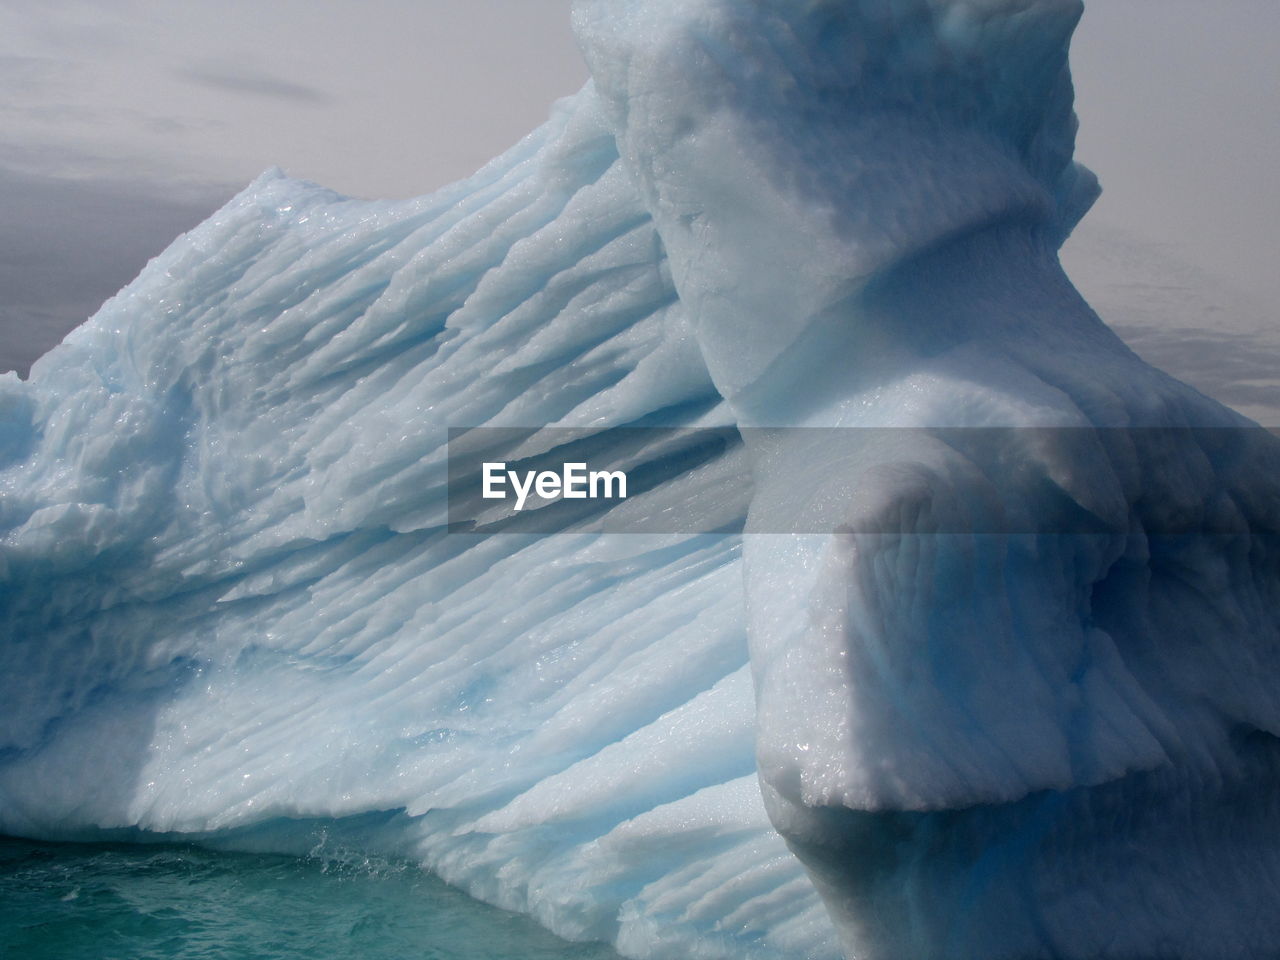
(127, 902)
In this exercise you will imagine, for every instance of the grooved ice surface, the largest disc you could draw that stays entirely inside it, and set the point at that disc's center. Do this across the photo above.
(230, 608)
(228, 597)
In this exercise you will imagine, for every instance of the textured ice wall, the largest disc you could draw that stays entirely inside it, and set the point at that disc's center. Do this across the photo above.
(978, 742)
(230, 609)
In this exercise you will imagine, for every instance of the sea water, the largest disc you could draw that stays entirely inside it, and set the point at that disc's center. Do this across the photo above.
(144, 902)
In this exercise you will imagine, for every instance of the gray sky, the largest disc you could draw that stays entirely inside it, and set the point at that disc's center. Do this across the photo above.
(377, 97)
(1179, 104)
(127, 121)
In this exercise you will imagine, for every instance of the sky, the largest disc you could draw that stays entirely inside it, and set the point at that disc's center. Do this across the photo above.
(128, 121)
(1179, 106)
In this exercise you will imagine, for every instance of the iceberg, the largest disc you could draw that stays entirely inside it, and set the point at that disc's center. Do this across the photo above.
(991, 672)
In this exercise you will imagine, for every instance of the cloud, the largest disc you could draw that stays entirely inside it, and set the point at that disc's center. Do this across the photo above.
(255, 84)
(28, 76)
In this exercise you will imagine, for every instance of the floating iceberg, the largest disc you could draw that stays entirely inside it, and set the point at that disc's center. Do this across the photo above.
(1017, 700)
